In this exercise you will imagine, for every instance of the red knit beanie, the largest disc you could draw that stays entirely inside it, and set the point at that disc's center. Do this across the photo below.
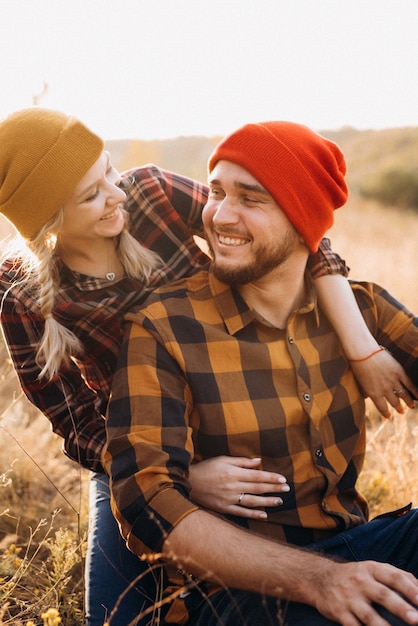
(303, 171)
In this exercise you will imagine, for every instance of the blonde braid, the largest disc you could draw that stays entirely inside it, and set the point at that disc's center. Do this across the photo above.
(58, 343)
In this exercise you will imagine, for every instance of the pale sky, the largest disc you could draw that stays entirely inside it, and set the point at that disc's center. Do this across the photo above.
(161, 68)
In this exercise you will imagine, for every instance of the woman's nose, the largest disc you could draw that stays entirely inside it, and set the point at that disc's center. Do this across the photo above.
(117, 193)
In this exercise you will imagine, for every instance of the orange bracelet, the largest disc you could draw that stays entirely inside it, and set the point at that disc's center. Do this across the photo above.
(380, 349)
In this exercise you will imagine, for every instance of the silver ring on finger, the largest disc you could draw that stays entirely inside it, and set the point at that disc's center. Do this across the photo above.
(240, 498)
(399, 392)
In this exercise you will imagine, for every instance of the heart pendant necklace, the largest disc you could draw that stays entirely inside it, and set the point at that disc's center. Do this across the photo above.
(110, 275)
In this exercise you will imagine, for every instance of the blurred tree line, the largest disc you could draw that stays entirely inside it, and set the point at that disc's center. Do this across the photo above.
(382, 164)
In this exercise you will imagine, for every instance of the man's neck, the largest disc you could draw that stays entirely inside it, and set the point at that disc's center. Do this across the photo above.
(278, 294)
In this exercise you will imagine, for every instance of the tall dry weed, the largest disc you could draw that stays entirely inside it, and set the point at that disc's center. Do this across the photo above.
(43, 514)
(388, 479)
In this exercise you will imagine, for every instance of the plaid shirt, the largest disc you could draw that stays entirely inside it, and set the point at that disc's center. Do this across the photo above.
(201, 375)
(165, 209)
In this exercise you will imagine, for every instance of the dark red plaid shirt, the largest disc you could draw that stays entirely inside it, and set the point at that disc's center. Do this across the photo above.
(165, 211)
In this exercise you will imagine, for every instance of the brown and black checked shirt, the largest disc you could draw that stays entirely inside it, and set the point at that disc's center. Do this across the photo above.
(201, 375)
(165, 210)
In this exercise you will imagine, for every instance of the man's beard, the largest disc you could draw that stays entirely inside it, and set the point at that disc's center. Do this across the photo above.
(267, 258)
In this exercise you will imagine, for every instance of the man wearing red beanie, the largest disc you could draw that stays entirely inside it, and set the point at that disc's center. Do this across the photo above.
(239, 360)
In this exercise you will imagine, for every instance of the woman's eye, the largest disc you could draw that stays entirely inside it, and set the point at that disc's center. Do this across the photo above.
(93, 196)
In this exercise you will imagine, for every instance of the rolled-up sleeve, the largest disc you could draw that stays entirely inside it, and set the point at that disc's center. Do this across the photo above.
(149, 444)
(326, 261)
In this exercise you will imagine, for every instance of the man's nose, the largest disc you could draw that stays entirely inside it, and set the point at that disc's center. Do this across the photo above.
(226, 212)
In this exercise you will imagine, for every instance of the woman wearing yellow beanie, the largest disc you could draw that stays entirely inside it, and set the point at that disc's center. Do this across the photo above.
(94, 244)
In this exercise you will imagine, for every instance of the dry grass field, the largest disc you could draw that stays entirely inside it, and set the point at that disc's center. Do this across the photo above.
(43, 508)
(380, 244)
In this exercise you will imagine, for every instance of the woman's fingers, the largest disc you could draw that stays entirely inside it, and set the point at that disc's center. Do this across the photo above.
(234, 486)
(384, 380)
(257, 490)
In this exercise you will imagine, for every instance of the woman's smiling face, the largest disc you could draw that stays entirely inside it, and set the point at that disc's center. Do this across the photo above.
(93, 210)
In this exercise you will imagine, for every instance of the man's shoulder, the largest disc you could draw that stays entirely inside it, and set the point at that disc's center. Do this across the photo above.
(170, 296)
(373, 292)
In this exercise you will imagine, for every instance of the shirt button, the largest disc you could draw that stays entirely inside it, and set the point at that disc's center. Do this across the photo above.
(307, 397)
(290, 339)
(318, 452)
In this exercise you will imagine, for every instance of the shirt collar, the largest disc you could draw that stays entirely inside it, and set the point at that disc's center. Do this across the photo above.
(235, 312)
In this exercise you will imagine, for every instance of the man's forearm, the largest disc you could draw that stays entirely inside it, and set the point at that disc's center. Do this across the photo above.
(212, 549)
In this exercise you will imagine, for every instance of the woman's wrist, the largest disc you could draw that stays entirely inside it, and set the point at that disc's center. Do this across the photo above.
(368, 356)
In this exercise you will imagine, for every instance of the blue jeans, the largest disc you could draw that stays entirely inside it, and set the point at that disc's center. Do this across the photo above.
(388, 539)
(111, 568)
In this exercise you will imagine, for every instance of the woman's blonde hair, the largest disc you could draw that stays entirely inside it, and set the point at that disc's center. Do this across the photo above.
(37, 264)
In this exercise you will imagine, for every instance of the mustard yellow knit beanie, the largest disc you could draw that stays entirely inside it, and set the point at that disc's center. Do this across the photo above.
(43, 155)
